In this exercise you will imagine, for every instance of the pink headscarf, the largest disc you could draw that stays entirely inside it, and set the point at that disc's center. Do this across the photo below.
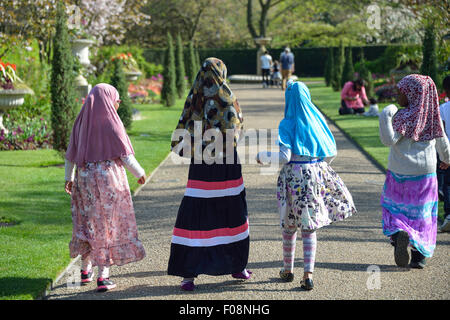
(421, 120)
(98, 133)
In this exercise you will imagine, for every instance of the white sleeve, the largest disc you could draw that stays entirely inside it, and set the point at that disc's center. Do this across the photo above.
(388, 136)
(69, 168)
(284, 156)
(133, 166)
(443, 147)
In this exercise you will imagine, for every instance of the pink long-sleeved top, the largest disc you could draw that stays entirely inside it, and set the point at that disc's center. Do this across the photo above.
(348, 92)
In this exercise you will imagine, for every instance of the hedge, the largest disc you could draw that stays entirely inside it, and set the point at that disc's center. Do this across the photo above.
(309, 62)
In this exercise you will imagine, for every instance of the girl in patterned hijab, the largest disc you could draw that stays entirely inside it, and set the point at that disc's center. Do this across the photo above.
(409, 198)
(211, 234)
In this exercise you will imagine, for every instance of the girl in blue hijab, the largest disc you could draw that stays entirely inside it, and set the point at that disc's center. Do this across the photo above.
(310, 193)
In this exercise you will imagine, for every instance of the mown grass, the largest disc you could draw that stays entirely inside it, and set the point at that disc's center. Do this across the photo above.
(35, 250)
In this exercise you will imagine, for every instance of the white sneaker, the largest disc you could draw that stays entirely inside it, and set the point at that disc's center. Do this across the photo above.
(445, 227)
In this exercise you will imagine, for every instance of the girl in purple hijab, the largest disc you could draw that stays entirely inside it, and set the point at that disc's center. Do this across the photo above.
(104, 224)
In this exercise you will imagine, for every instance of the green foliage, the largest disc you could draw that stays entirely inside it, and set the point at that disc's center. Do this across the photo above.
(365, 74)
(348, 71)
(63, 94)
(329, 66)
(338, 68)
(429, 64)
(179, 56)
(118, 81)
(191, 64)
(169, 89)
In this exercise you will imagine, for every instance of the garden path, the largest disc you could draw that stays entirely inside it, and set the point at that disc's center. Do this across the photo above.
(347, 251)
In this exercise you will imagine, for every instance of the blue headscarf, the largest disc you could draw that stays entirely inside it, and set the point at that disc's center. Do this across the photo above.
(304, 129)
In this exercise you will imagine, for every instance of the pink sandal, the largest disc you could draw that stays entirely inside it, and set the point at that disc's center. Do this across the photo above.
(242, 275)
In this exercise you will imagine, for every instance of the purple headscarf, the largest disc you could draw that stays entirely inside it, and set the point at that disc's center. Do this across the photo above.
(98, 133)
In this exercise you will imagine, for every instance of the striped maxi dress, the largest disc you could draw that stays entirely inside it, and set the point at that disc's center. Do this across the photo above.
(211, 233)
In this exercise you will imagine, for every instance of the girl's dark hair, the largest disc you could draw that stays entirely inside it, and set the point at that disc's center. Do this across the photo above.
(373, 101)
(359, 82)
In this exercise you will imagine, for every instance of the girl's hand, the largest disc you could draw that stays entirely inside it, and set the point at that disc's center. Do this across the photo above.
(444, 166)
(142, 180)
(68, 187)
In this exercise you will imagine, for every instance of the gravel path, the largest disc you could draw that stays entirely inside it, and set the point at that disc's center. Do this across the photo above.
(346, 253)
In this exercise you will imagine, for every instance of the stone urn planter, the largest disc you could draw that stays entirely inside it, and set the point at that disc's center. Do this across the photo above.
(11, 98)
(80, 49)
(132, 75)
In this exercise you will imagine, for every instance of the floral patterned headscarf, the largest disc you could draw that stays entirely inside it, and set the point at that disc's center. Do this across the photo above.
(212, 102)
(421, 120)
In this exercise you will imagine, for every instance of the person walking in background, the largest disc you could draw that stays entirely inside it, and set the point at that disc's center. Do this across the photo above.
(266, 65)
(310, 193)
(353, 97)
(287, 66)
(104, 224)
(445, 115)
(409, 198)
(211, 233)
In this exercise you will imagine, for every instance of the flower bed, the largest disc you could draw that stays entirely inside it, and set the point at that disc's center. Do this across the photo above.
(146, 91)
(28, 135)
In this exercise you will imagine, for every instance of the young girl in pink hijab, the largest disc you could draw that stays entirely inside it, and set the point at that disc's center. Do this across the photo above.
(410, 195)
(104, 224)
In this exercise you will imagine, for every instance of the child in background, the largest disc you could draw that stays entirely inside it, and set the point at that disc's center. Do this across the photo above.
(104, 225)
(373, 109)
(445, 115)
(276, 75)
(310, 193)
(409, 198)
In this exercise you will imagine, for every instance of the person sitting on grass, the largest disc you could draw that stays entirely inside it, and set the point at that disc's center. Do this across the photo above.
(104, 224)
(353, 97)
(409, 198)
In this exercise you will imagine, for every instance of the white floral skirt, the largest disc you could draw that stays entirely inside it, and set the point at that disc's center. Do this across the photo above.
(312, 195)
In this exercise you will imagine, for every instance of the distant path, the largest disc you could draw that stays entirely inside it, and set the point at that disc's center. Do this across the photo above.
(345, 250)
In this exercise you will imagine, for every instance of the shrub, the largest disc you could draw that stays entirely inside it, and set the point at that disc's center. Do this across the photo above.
(169, 90)
(181, 81)
(429, 62)
(118, 81)
(191, 64)
(348, 72)
(338, 68)
(64, 104)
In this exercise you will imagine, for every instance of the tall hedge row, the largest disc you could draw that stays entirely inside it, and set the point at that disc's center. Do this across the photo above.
(309, 62)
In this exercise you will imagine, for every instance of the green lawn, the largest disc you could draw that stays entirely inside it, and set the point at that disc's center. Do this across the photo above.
(363, 130)
(35, 251)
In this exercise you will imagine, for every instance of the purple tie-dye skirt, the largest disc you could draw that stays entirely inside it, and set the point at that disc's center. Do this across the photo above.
(410, 203)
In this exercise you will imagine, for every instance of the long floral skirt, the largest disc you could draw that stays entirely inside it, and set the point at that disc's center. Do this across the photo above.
(311, 195)
(104, 224)
(410, 203)
(211, 233)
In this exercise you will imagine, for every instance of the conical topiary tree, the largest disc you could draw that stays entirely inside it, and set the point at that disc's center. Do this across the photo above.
(169, 89)
(179, 62)
(365, 74)
(329, 66)
(118, 81)
(64, 97)
(348, 71)
(191, 64)
(429, 61)
(197, 60)
(338, 67)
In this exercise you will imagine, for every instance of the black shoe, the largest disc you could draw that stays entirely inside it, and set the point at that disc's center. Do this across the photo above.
(307, 284)
(401, 242)
(286, 276)
(86, 277)
(417, 260)
(105, 285)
